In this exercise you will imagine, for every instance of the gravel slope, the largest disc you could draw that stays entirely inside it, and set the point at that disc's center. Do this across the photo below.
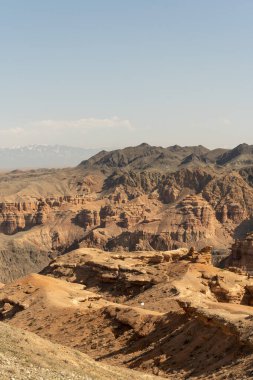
(26, 356)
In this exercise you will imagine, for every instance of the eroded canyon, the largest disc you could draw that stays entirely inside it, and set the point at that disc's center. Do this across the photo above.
(137, 198)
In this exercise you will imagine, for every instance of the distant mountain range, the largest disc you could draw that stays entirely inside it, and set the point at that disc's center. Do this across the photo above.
(141, 157)
(147, 157)
(43, 156)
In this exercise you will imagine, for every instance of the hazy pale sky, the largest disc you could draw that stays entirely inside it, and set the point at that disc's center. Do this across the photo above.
(111, 73)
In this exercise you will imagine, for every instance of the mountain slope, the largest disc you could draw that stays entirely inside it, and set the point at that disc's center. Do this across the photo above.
(240, 155)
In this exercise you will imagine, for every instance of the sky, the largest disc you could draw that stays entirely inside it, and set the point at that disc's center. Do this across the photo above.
(113, 73)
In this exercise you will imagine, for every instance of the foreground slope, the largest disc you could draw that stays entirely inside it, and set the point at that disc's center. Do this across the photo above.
(24, 356)
(168, 313)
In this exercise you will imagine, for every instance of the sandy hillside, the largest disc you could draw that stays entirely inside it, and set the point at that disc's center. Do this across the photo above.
(24, 356)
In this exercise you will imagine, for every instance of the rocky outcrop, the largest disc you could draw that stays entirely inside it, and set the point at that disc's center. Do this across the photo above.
(87, 219)
(190, 222)
(144, 182)
(16, 217)
(126, 272)
(175, 186)
(204, 256)
(231, 198)
(106, 215)
(139, 240)
(241, 256)
(19, 216)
